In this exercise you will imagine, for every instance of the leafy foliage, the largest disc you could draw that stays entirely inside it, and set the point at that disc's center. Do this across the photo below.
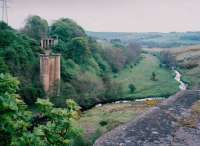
(66, 29)
(78, 50)
(167, 59)
(153, 76)
(36, 27)
(132, 88)
(19, 57)
(84, 62)
(49, 125)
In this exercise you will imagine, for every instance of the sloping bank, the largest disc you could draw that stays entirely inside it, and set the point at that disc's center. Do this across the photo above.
(182, 86)
(161, 126)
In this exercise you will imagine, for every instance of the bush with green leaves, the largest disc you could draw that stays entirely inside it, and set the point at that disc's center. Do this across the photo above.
(19, 57)
(47, 126)
(36, 27)
(153, 76)
(113, 89)
(132, 88)
(66, 29)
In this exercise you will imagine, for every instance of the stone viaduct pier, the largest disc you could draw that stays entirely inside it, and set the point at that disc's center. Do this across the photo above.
(50, 68)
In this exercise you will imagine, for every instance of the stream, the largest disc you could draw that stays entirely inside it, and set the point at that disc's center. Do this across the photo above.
(182, 86)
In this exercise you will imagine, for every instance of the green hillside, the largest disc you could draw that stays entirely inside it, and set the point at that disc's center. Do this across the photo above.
(140, 76)
(19, 56)
(85, 66)
(90, 73)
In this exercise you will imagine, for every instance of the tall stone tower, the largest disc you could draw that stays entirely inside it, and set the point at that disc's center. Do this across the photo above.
(50, 68)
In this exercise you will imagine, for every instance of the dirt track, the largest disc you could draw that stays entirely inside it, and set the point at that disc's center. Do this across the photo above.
(160, 126)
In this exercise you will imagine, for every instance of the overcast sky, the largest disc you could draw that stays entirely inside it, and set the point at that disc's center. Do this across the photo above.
(113, 15)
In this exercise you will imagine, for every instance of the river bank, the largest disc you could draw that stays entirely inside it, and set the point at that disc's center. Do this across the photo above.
(100, 120)
(104, 117)
(178, 76)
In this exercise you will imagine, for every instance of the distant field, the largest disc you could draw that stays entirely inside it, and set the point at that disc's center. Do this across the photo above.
(140, 76)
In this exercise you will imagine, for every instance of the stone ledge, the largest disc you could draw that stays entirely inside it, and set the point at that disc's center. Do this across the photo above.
(157, 127)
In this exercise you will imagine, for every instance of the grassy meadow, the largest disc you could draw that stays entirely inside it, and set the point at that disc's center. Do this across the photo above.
(99, 120)
(188, 59)
(140, 76)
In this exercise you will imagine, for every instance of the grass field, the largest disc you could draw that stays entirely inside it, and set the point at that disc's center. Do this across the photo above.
(99, 120)
(188, 56)
(140, 76)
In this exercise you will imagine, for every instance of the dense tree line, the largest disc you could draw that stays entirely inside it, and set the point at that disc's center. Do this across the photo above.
(86, 67)
(167, 59)
(19, 56)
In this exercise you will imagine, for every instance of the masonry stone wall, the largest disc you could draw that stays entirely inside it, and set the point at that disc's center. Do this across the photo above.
(50, 73)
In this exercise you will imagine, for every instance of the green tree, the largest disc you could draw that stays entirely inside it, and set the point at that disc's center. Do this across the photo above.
(78, 50)
(113, 89)
(19, 57)
(167, 59)
(133, 53)
(153, 76)
(66, 29)
(132, 88)
(3, 66)
(48, 126)
(36, 27)
(14, 114)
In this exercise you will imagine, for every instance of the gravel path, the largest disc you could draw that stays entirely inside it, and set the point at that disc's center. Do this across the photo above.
(160, 126)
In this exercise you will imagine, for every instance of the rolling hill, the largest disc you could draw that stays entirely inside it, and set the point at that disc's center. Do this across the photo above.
(151, 39)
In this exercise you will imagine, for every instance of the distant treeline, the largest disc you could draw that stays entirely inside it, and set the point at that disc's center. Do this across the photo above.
(152, 39)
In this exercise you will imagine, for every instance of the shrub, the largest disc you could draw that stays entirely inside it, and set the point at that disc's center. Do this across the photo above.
(153, 76)
(132, 88)
(3, 66)
(30, 92)
(103, 123)
(113, 90)
(89, 87)
(48, 126)
(151, 103)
